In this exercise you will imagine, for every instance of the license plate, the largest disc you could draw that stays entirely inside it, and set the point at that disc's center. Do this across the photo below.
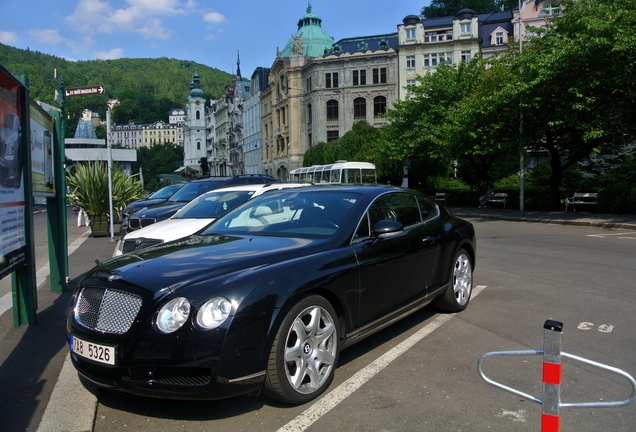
(99, 353)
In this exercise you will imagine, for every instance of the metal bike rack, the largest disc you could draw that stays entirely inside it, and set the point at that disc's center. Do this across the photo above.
(552, 355)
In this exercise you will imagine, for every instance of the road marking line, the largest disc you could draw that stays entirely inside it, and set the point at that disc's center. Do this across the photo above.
(344, 390)
(607, 235)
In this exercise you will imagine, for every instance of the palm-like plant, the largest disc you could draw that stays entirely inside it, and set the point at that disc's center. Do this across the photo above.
(88, 184)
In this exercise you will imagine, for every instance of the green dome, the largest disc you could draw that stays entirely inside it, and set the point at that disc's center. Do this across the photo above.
(195, 86)
(313, 37)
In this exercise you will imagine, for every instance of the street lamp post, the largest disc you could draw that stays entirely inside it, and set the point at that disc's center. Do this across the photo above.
(110, 176)
(522, 161)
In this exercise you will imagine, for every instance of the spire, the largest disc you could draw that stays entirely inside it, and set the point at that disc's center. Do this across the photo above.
(238, 64)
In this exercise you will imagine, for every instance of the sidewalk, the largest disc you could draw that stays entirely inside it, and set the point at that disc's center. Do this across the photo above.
(588, 219)
(32, 357)
(46, 394)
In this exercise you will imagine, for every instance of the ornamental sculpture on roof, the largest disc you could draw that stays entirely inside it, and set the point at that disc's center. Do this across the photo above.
(298, 45)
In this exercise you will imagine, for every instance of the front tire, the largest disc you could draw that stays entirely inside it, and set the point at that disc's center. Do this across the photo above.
(304, 353)
(458, 293)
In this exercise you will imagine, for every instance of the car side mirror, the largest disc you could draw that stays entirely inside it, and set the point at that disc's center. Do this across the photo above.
(386, 228)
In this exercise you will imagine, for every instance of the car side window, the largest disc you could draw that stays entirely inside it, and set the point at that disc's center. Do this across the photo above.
(400, 207)
(428, 209)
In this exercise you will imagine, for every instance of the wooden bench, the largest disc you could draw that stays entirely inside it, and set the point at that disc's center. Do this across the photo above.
(500, 197)
(581, 198)
(440, 197)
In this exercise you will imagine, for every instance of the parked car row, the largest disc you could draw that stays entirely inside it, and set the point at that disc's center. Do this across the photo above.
(155, 212)
(195, 215)
(265, 297)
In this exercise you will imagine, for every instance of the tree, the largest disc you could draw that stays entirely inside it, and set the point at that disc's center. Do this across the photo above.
(483, 133)
(203, 163)
(419, 125)
(580, 92)
(156, 160)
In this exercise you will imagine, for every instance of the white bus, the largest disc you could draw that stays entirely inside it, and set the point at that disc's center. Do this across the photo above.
(340, 172)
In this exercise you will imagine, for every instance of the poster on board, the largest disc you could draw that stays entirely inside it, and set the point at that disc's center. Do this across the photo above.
(12, 202)
(41, 140)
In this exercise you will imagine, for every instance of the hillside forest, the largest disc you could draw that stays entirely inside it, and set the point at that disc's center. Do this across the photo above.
(147, 89)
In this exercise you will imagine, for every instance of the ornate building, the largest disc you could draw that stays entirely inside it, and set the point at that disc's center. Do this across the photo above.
(318, 89)
(194, 127)
(235, 95)
(252, 137)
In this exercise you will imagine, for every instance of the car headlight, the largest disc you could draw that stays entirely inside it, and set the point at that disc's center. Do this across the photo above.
(214, 312)
(173, 315)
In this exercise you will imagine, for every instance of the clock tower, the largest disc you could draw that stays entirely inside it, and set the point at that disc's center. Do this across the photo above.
(194, 127)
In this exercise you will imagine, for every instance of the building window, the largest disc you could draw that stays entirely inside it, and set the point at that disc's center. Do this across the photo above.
(438, 36)
(379, 106)
(309, 114)
(466, 56)
(430, 60)
(410, 61)
(379, 76)
(499, 38)
(198, 115)
(410, 83)
(359, 108)
(331, 80)
(464, 28)
(359, 77)
(198, 145)
(446, 57)
(550, 9)
(410, 33)
(332, 135)
(332, 110)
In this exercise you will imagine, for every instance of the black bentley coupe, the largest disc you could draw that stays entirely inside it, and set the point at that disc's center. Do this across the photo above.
(265, 297)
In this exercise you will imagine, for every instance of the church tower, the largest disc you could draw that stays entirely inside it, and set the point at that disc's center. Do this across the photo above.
(194, 127)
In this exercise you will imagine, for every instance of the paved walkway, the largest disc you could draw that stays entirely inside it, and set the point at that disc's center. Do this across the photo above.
(598, 220)
(45, 392)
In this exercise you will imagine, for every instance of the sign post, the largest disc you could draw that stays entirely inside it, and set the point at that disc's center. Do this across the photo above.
(83, 91)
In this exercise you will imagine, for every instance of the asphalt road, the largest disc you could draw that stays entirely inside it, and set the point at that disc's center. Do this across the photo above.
(421, 373)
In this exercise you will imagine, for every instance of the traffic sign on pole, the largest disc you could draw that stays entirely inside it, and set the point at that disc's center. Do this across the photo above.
(84, 91)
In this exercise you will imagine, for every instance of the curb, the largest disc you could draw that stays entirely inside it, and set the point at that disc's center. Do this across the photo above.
(582, 223)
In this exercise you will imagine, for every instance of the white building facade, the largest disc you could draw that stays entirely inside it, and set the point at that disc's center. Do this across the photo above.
(194, 128)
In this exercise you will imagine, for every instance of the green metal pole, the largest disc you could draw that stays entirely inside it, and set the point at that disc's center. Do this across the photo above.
(56, 214)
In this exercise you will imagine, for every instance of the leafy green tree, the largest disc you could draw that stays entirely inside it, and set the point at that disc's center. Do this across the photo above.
(483, 130)
(203, 163)
(147, 89)
(579, 96)
(420, 125)
(156, 160)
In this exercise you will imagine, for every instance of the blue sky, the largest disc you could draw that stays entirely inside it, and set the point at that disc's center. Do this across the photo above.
(211, 32)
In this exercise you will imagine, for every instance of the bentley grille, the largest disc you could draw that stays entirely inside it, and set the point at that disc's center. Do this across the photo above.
(107, 310)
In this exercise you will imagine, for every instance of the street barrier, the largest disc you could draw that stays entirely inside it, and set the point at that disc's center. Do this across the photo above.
(552, 374)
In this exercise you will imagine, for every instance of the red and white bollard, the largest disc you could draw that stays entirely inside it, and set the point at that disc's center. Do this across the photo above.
(552, 341)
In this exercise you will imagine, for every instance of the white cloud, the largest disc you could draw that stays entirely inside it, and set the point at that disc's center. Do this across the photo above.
(47, 36)
(140, 16)
(7, 37)
(213, 17)
(113, 54)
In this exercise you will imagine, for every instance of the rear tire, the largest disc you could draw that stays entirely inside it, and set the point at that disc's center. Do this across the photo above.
(458, 293)
(304, 353)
